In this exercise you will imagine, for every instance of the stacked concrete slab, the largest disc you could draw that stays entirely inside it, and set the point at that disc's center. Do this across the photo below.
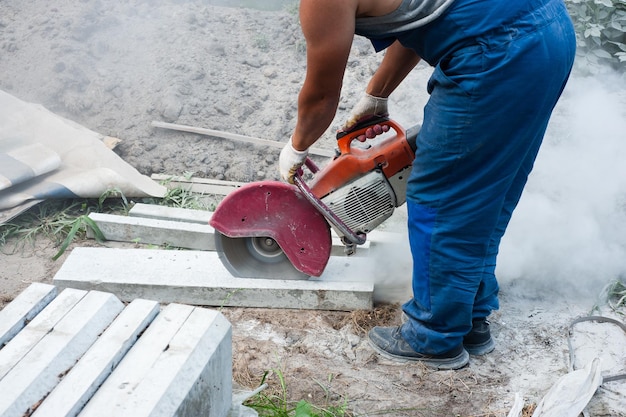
(197, 276)
(171, 226)
(85, 353)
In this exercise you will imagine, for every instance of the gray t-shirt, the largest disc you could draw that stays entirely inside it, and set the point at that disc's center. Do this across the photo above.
(409, 15)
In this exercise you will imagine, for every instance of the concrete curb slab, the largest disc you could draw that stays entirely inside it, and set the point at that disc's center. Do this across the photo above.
(14, 351)
(172, 369)
(23, 308)
(85, 353)
(153, 211)
(36, 373)
(174, 227)
(94, 367)
(190, 235)
(199, 278)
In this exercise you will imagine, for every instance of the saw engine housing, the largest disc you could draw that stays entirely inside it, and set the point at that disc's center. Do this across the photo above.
(363, 185)
(352, 194)
(367, 201)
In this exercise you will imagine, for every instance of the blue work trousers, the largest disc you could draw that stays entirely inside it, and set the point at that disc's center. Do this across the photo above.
(492, 91)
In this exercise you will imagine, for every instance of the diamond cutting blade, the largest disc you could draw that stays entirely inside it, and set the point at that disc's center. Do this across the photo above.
(255, 257)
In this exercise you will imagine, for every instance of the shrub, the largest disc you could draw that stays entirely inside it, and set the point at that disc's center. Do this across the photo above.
(600, 32)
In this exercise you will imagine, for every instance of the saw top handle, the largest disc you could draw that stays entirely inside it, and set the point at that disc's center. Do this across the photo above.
(345, 138)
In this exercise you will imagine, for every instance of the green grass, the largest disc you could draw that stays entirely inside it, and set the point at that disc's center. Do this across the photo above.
(616, 296)
(277, 404)
(64, 221)
(61, 221)
(613, 296)
(183, 197)
(270, 401)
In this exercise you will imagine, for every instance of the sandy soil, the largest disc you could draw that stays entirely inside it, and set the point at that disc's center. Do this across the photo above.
(116, 67)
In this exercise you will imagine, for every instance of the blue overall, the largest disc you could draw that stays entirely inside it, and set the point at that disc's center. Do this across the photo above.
(500, 67)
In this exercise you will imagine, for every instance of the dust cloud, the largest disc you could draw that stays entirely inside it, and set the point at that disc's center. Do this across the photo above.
(569, 230)
(568, 234)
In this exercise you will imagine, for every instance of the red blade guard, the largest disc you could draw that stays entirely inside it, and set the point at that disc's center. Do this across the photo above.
(277, 210)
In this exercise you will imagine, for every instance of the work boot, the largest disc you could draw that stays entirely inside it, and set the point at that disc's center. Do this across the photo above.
(388, 341)
(478, 341)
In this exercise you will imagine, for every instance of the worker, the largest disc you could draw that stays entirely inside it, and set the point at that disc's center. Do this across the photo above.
(499, 69)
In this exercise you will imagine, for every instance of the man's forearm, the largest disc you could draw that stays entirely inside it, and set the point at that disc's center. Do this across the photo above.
(315, 114)
(396, 65)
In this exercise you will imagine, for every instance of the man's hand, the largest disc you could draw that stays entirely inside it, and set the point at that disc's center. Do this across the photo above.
(290, 161)
(367, 108)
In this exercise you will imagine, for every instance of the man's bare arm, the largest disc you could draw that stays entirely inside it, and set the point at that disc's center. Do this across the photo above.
(328, 27)
(396, 65)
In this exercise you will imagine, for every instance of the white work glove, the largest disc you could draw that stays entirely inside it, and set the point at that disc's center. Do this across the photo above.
(290, 161)
(367, 107)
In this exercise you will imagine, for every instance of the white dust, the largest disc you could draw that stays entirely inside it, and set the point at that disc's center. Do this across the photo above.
(568, 234)
(569, 229)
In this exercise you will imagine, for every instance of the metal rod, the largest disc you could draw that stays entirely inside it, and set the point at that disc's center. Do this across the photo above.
(356, 238)
(234, 136)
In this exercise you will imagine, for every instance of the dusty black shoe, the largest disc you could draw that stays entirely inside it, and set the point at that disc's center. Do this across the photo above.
(389, 343)
(478, 341)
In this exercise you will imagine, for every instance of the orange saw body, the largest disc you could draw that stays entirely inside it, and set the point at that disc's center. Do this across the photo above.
(269, 229)
(391, 155)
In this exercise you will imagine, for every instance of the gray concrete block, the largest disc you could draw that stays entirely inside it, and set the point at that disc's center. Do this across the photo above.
(199, 186)
(181, 366)
(72, 393)
(199, 278)
(15, 315)
(37, 329)
(154, 231)
(86, 354)
(41, 367)
(177, 227)
(153, 211)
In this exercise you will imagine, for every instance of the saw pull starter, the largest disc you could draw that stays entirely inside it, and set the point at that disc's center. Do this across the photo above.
(270, 229)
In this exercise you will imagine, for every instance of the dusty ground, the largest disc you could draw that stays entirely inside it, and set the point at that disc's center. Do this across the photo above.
(324, 356)
(116, 67)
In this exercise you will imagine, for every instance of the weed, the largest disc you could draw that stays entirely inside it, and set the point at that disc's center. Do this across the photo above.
(278, 404)
(228, 297)
(63, 221)
(612, 295)
(114, 192)
(616, 296)
(363, 320)
(58, 220)
(184, 197)
(81, 223)
(162, 246)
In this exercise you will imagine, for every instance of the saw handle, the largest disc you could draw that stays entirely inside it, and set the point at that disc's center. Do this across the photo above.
(344, 139)
(312, 166)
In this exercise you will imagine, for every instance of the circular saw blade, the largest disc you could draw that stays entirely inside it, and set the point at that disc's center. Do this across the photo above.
(255, 257)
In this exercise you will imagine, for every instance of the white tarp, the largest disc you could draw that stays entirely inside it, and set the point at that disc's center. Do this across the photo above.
(568, 397)
(43, 156)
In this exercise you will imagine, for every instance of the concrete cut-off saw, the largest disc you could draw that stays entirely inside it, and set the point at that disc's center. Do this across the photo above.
(275, 230)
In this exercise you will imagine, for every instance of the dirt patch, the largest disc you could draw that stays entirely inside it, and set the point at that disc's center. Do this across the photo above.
(116, 67)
